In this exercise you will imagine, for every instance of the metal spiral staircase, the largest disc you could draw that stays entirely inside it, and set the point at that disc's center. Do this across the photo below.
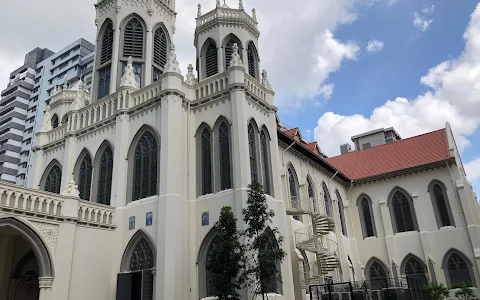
(314, 238)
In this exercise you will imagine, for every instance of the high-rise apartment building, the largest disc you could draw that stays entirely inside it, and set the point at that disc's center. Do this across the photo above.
(23, 101)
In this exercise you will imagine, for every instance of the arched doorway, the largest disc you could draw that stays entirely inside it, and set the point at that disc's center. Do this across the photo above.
(136, 280)
(26, 269)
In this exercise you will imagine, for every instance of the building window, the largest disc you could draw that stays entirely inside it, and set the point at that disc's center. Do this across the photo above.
(145, 167)
(327, 200)
(53, 181)
(85, 177)
(211, 60)
(228, 49)
(293, 187)
(441, 205)
(252, 60)
(377, 275)
(133, 39)
(275, 286)
(264, 142)
(458, 269)
(107, 44)
(216, 242)
(252, 149)
(341, 213)
(160, 49)
(366, 216)
(224, 150)
(55, 121)
(402, 212)
(413, 266)
(105, 177)
(103, 82)
(206, 162)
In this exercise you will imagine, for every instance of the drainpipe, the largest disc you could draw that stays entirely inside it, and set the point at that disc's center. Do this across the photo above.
(283, 154)
(188, 202)
(462, 213)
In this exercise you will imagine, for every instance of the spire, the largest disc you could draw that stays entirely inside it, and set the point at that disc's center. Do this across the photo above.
(218, 3)
(240, 4)
(199, 10)
(128, 78)
(172, 63)
(47, 121)
(190, 78)
(254, 14)
(265, 81)
(236, 60)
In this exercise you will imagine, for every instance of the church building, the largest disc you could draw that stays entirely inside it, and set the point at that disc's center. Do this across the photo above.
(128, 185)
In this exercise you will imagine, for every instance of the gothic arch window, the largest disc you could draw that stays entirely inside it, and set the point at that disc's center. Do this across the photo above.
(205, 160)
(365, 211)
(293, 188)
(376, 273)
(402, 211)
(224, 156)
(145, 167)
(252, 60)
(105, 59)
(211, 241)
(311, 193)
(252, 150)
(228, 49)
(441, 204)
(412, 265)
(84, 170)
(276, 285)
(53, 179)
(55, 121)
(160, 52)
(210, 59)
(65, 119)
(105, 176)
(136, 279)
(133, 45)
(341, 213)
(328, 200)
(266, 166)
(458, 269)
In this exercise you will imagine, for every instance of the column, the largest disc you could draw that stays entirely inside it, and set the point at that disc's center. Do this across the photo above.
(115, 60)
(38, 167)
(69, 159)
(45, 285)
(120, 167)
(148, 59)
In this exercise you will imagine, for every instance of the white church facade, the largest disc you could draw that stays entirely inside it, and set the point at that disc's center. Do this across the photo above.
(128, 184)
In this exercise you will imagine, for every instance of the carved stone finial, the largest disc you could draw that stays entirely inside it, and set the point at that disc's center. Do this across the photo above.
(190, 78)
(218, 3)
(199, 11)
(254, 14)
(265, 81)
(174, 29)
(47, 121)
(236, 60)
(54, 91)
(72, 190)
(172, 63)
(240, 4)
(128, 78)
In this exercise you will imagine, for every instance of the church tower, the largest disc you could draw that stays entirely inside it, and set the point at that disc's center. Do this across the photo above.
(141, 29)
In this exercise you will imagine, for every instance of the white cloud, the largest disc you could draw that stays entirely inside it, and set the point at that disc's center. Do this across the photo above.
(472, 168)
(375, 46)
(453, 96)
(421, 19)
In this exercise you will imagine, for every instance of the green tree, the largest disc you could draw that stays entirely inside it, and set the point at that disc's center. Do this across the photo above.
(436, 291)
(225, 261)
(263, 245)
(464, 292)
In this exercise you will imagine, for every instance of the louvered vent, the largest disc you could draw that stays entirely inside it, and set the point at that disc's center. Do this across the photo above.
(160, 48)
(211, 61)
(133, 39)
(107, 44)
(228, 53)
(252, 70)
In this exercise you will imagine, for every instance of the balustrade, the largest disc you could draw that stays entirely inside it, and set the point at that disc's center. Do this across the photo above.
(212, 86)
(96, 213)
(226, 13)
(255, 87)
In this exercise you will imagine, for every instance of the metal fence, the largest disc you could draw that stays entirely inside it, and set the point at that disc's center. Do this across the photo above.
(405, 288)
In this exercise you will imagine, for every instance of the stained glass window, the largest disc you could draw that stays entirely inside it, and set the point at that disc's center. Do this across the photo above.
(367, 217)
(85, 178)
(328, 200)
(414, 267)
(142, 257)
(402, 212)
(458, 270)
(104, 82)
(54, 178)
(442, 205)
(145, 167)
(266, 162)
(105, 177)
(206, 152)
(341, 213)
(211, 60)
(224, 149)
(293, 188)
(252, 152)
(377, 275)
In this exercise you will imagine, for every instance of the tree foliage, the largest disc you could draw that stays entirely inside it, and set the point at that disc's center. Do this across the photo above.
(436, 291)
(263, 244)
(225, 260)
(464, 292)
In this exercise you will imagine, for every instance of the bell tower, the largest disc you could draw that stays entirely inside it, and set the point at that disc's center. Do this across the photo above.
(215, 34)
(140, 29)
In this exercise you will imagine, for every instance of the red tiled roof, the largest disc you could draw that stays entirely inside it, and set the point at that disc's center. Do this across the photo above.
(411, 152)
(312, 146)
(291, 132)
